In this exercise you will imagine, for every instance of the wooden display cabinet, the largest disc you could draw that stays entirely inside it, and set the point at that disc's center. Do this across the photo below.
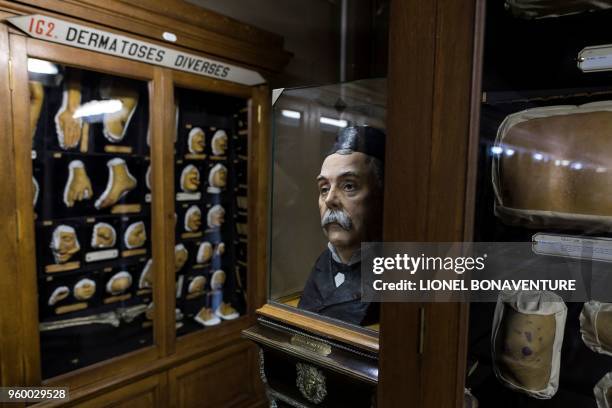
(208, 367)
(471, 64)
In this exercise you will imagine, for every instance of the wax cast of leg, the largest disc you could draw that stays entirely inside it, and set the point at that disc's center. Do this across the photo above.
(120, 182)
(78, 186)
(69, 128)
(116, 123)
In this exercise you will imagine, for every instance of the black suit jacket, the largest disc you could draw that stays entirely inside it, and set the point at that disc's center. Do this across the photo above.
(344, 302)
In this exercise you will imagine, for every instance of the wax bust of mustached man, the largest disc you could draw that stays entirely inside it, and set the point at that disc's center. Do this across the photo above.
(350, 203)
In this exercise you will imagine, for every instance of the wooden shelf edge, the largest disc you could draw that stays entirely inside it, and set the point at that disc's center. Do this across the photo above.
(354, 338)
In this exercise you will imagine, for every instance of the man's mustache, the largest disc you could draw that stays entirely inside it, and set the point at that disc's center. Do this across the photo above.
(337, 216)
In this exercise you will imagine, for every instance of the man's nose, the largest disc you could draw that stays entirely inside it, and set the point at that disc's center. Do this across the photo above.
(332, 200)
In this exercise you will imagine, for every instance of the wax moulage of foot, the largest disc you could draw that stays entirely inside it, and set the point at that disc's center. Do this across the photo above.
(115, 124)
(120, 182)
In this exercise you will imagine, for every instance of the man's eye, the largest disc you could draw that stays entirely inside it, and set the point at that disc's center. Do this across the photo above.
(324, 190)
(349, 187)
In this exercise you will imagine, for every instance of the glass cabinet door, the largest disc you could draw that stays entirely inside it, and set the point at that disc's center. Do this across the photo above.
(312, 124)
(211, 155)
(92, 211)
(543, 175)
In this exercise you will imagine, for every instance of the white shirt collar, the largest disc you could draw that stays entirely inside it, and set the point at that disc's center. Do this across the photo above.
(355, 258)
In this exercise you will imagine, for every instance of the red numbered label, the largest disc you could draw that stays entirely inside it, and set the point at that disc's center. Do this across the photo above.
(41, 27)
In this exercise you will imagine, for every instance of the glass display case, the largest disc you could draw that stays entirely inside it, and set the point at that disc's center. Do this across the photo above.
(211, 209)
(318, 341)
(542, 175)
(92, 206)
(310, 126)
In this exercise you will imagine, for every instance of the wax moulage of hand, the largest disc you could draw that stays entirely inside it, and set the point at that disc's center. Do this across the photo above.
(70, 128)
(78, 186)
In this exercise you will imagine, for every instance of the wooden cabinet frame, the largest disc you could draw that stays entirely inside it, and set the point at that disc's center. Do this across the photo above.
(19, 337)
(435, 64)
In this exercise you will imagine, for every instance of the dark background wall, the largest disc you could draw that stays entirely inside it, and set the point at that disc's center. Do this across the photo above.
(312, 32)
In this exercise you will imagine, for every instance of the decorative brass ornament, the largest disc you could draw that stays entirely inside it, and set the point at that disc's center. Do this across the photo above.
(311, 382)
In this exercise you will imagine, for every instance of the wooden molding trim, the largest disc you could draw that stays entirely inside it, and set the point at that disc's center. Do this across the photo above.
(206, 19)
(354, 338)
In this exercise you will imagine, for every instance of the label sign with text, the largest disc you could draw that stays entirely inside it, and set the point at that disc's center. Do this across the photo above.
(67, 33)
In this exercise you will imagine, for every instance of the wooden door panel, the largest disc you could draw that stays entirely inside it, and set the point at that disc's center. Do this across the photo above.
(147, 393)
(223, 379)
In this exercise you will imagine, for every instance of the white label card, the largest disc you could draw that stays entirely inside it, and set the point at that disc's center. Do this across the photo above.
(101, 255)
(594, 249)
(188, 196)
(596, 58)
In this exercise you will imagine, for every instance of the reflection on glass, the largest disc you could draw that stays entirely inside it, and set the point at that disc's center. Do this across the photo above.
(92, 213)
(328, 152)
(211, 209)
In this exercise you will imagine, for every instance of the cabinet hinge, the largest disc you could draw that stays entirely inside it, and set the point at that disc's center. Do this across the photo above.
(421, 329)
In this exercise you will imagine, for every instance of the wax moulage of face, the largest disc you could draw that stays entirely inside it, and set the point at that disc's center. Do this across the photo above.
(196, 141)
(190, 179)
(64, 243)
(104, 236)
